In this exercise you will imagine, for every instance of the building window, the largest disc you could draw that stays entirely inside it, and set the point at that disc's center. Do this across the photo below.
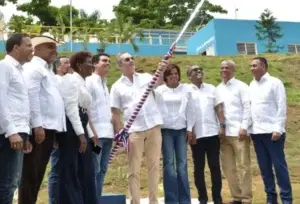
(246, 48)
(293, 48)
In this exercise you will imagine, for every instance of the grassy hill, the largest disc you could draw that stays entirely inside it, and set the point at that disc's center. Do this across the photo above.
(286, 67)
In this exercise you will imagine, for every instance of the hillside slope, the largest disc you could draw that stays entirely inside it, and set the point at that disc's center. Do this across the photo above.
(286, 67)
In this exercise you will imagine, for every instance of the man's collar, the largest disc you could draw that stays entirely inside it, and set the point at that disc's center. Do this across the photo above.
(194, 86)
(14, 62)
(127, 79)
(264, 77)
(97, 76)
(41, 61)
(229, 82)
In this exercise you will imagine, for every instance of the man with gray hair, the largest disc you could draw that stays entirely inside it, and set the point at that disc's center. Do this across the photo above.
(235, 146)
(145, 132)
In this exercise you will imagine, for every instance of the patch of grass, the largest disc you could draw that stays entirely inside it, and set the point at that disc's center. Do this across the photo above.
(286, 67)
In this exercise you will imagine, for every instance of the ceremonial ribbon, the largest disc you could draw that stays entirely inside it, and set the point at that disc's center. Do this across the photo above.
(121, 138)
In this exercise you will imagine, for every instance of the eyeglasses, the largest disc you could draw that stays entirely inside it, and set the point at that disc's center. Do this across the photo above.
(127, 59)
(198, 70)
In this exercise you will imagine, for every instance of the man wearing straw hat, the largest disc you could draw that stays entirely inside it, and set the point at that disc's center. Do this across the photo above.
(47, 116)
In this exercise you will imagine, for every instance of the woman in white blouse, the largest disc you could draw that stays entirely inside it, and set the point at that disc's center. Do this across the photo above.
(175, 104)
(77, 184)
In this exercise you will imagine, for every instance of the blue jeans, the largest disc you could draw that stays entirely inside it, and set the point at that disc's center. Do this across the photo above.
(53, 178)
(101, 163)
(11, 163)
(175, 175)
(271, 154)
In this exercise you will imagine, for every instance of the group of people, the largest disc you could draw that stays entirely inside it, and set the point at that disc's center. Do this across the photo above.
(59, 109)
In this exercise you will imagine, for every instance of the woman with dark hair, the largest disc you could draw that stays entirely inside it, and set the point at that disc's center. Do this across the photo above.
(175, 103)
(77, 184)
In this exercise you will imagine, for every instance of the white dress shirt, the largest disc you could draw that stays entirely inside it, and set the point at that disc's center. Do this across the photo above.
(46, 103)
(125, 95)
(206, 100)
(75, 95)
(268, 105)
(235, 95)
(14, 101)
(100, 108)
(176, 106)
(58, 79)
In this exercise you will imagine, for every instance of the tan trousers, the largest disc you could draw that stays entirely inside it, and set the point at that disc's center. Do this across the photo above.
(236, 165)
(150, 141)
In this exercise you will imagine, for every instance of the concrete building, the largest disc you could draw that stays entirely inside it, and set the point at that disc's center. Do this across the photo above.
(238, 37)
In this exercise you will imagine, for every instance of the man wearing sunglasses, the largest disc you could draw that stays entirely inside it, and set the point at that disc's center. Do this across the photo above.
(206, 133)
(100, 116)
(145, 133)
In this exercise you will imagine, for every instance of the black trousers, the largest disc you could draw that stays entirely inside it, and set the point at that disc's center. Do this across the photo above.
(77, 179)
(209, 146)
(34, 167)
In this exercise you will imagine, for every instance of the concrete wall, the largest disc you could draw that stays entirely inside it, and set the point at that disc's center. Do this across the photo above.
(229, 32)
(202, 39)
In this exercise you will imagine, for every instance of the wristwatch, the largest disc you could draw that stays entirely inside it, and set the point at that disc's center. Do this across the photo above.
(222, 125)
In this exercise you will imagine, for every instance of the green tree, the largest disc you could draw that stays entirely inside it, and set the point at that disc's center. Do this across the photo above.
(86, 26)
(19, 23)
(48, 15)
(268, 31)
(125, 31)
(165, 13)
(3, 2)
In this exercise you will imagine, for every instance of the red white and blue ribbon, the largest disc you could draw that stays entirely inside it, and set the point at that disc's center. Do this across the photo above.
(121, 138)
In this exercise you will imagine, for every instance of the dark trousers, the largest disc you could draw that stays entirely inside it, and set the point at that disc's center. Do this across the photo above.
(77, 178)
(10, 169)
(209, 146)
(34, 167)
(271, 154)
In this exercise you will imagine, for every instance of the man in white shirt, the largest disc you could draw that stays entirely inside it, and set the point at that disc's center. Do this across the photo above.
(14, 114)
(145, 132)
(208, 109)
(61, 67)
(47, 116)
(235, 147)
(268, 114)
(100, 115)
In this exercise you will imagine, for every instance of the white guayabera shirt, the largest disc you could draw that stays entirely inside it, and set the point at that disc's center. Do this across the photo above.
(46, 102)
(14, 101)
(176, 106)
(268, 105)
(125, 95)
(100, 108)
(206, 99)
(235, 96)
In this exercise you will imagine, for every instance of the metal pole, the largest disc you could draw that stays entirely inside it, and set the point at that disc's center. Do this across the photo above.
(71, 26)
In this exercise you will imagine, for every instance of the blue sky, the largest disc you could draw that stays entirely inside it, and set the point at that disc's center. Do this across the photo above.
(287, 10)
